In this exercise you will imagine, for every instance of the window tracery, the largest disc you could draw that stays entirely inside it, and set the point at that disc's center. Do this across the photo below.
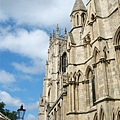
(64, 62)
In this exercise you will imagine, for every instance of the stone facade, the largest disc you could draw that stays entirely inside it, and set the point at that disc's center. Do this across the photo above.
(82, 79)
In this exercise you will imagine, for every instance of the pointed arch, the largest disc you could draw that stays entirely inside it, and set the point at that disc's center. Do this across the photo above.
(71, 76)
(118, 114)
(113, 115)
(89, 68)
(116, 42)
(117, 37)
(77, 20)
(75, 76)
(91, 84)
(83, 18)
(96, 54)
(102, 114)
(80, 76)
(95, 117)
(64, 62)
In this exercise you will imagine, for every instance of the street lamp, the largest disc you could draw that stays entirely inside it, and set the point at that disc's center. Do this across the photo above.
(21, 113)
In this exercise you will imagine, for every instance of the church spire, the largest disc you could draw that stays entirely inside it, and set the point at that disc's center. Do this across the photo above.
(78, 6)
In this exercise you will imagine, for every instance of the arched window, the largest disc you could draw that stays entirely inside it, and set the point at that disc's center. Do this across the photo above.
(113, 116)
(117, 39)
(118, 116)
(91, 79)
(49, 95)
(83, 18)
(95, 117)
(64, 62)
(77, 19)
(117, 47)
(102, 115)
(96, 55)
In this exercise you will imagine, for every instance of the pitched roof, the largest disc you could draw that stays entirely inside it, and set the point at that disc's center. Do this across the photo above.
(78, 6)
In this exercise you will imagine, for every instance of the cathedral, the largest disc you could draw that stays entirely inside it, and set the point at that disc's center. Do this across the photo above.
(82, 79)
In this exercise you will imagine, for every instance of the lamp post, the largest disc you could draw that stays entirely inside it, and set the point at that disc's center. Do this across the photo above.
(21, 113)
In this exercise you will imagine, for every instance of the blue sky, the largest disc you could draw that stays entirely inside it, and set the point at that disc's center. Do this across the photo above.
(25, 26)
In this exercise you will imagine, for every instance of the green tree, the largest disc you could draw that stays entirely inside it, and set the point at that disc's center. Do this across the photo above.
(2, 105)
(10, 114)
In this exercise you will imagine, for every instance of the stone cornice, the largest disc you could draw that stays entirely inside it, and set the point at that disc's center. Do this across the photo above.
(81, 63)
(107, 98)
(82, 112)
(99, 38)
(101, 17)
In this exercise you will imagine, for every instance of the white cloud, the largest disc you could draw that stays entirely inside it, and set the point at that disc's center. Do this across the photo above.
(32, 44)
(39, 12)
(9, 100)
(6, 77)
(31, 117)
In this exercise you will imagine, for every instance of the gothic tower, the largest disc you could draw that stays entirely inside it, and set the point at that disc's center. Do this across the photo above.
(82, 79)
(55, 67)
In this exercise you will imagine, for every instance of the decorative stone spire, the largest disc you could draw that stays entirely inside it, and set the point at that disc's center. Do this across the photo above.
(50, 38)
(65, 34)
(78, 6)
(57, 31)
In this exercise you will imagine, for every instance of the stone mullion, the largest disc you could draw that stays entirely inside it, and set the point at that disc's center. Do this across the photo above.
(118, 63)
(73, 98)
(77, 98)
(70, 97)
(96, 83)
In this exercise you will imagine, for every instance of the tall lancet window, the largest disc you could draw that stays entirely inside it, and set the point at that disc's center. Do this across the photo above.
(91, 79)
(117, 47)
(83, 18)
(102, 115)
(77, 20)
(95, 117)
(64, 62)
(118, 117)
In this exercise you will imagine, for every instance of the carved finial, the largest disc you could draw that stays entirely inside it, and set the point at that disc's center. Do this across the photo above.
(53, 34)
(50, 40)
(65, 34)
(65, 31)
(57, 30)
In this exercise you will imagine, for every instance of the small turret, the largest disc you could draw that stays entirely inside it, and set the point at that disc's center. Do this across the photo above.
(78, 14)
(78, 6)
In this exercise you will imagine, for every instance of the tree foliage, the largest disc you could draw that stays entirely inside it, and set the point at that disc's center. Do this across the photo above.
(10, 114)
